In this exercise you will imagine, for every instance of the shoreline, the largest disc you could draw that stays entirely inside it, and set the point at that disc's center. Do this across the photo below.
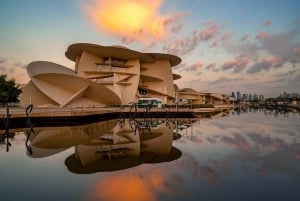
(76, 116)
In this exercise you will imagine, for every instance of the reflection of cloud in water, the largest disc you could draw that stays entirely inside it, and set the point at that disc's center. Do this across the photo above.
(266, 141)
(143, 184)
(237, 141)
(260, 145)
(284, 161)
(211, 140)
(189, 163)
(126, 188)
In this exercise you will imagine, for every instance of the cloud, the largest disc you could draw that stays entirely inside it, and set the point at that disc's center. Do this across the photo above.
(2, 70)
(295, 58)
(186, 44)
(296, 51)
(267, 23)
(2, 60)
(280, 44)
(223, 81)
(196, 66)
(247, 48)
(149, 46)
(288, 74)
(224, 39)
(14, 70)
(287, 80)
(260, 35)
(176, 28)
(173, 18)
(20, 65)
(265, 64)
(215, 43)
(210, 31)
(131, 20)
(212, 67)
(238, 64)
(245, 37)
(182, 46)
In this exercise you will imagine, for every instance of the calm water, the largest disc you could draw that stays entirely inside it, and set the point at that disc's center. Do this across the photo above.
(250, 156)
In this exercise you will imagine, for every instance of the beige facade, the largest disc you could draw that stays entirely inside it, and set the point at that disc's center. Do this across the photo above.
(193, 97)
(103, 76)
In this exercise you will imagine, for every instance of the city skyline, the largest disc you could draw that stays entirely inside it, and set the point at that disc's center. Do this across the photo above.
(225, 46)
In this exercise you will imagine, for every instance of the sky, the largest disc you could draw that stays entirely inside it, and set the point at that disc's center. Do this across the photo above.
(251, 46)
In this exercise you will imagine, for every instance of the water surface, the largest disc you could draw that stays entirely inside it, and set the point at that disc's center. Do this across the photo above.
(253, 155)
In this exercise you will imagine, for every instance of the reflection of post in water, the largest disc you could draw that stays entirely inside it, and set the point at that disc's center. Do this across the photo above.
(147, 111)
(29, 125)
(133, 110)
(133, 125)
(6, 133)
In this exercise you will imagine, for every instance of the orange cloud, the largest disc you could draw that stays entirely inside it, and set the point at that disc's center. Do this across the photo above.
(271, 60)
(261, 35)
(130, 20)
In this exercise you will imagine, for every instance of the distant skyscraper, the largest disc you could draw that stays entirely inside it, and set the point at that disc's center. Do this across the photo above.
(238, 95)
(233, 94)
(295, 95)
(255, 97)
(261, 97)
(250, 97)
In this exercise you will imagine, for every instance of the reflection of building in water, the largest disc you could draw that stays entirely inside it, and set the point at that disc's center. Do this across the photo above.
(47, 141)
(122, 141)
(109, 145)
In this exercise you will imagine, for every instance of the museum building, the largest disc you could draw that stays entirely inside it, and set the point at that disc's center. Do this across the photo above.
(103, 76)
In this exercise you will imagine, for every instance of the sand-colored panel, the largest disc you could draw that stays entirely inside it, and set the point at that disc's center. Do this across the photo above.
(105, 51)
(32, 95)
(41, 67)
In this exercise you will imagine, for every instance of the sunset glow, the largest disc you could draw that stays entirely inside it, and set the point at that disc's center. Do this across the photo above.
(128, 187)
(225, 46)
(133, 19)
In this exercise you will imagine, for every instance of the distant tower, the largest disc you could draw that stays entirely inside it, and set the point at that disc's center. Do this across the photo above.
(233, 94)
(261, 97)
(255, 97)
(250, 97)
(238, 95)
(244, 97)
